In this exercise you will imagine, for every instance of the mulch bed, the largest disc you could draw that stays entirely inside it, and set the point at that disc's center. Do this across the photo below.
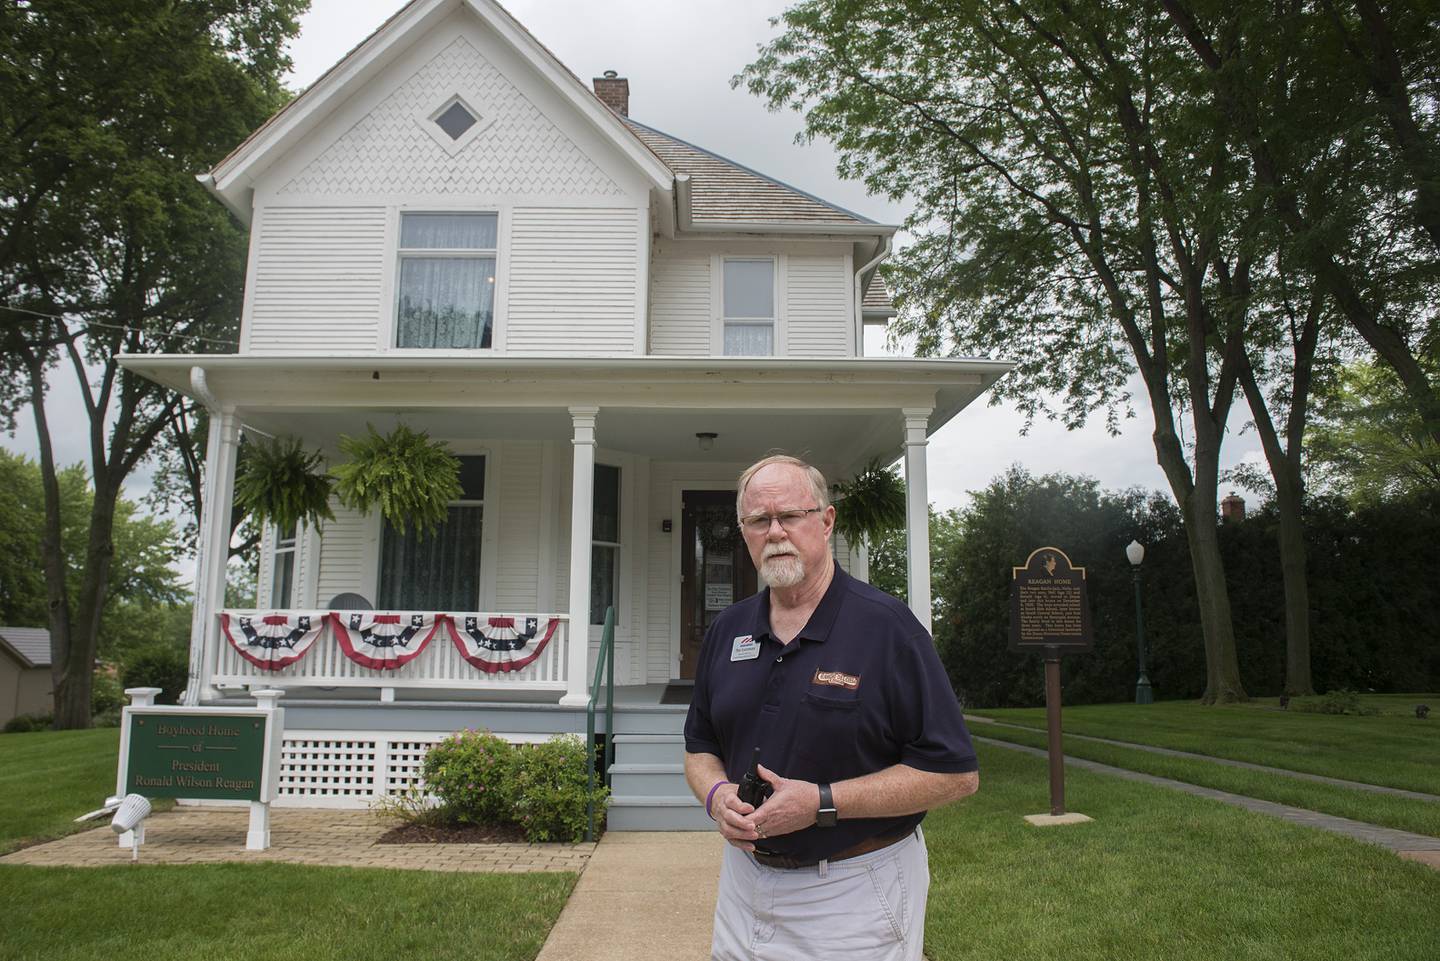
(453, 834)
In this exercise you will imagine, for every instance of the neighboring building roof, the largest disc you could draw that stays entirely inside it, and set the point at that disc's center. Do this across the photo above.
(877, 299)
(723, 191)
(32, 644)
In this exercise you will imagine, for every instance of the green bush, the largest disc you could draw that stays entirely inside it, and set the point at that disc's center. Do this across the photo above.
(472, 774)
(1336, 702)
(25, 723)
(550, 791)
(106, 695)
(157, 665)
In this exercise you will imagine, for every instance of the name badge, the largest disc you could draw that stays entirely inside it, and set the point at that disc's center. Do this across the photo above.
(745, 648)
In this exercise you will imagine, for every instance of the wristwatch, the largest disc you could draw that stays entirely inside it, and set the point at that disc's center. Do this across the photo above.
(827, 815)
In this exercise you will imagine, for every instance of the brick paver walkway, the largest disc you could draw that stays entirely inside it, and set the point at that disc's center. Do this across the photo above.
(190, 835)
(1415, 847)
(1227, 762)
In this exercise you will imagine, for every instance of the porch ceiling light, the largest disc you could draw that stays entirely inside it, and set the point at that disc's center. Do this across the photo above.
(706, 439)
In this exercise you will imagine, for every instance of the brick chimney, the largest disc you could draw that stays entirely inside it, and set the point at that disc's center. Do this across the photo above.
(614, 92)
(1232, 508)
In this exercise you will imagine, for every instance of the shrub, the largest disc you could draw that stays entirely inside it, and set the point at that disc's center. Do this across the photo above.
(25, 723)
(472, 773)
(1336, 702)
(550, 790)
(106, 695)
(157, 665)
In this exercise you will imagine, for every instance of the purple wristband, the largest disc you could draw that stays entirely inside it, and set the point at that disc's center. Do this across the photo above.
(711, 796)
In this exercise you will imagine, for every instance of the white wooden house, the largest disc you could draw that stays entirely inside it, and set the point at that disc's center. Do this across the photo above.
(451, 231)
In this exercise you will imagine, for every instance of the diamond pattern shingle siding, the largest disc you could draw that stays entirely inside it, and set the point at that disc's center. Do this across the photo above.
(521, 152)
(723, 191)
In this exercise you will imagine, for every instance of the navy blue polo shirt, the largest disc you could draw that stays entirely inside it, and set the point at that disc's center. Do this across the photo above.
(859, 689)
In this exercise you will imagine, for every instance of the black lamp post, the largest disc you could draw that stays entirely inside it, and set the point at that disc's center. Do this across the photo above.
(1135, 553)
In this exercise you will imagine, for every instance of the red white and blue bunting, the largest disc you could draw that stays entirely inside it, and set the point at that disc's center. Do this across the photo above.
(499, 643)
(383, 641)
(275, 639)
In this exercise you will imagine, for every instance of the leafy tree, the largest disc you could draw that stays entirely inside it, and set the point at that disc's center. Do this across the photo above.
(107, 244)
(1371, 444)
(1077, 210)
(1299, 83)
(145, 601)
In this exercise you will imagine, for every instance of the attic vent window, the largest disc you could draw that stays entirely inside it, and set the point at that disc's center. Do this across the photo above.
(455, 120)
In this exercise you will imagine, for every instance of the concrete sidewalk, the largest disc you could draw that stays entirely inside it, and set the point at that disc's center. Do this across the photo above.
(643, 895)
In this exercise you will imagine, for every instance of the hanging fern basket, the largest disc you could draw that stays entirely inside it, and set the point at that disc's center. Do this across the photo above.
(870, 504)
(410, 478)
(278, 482)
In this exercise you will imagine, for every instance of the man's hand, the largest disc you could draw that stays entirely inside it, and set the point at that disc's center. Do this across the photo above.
(791, 808)
(732, 817)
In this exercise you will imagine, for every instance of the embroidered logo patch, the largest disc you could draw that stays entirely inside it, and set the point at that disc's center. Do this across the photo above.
(836, 679)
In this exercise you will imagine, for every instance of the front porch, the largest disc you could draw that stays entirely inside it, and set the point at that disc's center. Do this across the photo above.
(545, 432)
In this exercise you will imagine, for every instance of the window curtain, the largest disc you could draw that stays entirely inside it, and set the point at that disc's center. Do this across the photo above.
(446, 301)
(438, 573)
(749, 340)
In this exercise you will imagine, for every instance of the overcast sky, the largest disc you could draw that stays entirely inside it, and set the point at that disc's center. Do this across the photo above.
(679, 59)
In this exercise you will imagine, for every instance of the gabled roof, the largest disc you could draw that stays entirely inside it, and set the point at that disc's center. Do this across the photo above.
(233, 178)
(876, 304)
(723, 192)
(31, 645)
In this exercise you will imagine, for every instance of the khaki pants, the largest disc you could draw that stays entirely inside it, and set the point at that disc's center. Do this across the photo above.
(870, 908)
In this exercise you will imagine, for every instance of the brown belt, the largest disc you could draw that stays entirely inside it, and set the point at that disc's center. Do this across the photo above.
(866, 846)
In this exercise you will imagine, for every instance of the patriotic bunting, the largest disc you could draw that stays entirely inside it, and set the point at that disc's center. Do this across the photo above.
(495, 644)
(273, 640)
(383, 641)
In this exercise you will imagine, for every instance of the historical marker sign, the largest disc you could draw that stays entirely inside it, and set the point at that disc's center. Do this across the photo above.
(213, 756)
(1048, 604)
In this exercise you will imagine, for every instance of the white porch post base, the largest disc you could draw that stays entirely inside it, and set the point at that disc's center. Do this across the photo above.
(582, 498)
(213, 550)
(917, 513)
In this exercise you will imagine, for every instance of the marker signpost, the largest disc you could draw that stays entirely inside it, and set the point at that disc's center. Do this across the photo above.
(1050, 614)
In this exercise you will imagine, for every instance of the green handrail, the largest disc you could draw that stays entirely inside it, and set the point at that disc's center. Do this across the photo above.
(605, 661)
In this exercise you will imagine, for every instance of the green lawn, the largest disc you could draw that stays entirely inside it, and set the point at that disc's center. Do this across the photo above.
(275, 912)
(1405, 814)
(48, 778)
(1393, 749)
(1159, 875)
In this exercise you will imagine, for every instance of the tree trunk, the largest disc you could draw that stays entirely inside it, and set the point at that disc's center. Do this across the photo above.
(1288, 498)
(1222, 667)
(72, 704)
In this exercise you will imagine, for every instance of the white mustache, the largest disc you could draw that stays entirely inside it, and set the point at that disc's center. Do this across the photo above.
(778, 550)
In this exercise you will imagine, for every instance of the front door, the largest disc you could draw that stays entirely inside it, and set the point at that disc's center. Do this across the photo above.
(715, 568)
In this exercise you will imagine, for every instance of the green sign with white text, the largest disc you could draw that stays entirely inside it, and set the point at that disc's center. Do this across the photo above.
(213, 756)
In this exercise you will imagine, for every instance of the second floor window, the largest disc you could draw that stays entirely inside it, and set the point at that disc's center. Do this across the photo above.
(447, 280)
(749, 307)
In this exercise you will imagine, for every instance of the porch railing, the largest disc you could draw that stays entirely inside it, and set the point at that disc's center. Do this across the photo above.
(438, 666)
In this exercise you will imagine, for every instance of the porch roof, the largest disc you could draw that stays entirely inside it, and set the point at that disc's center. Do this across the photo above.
(841, 410)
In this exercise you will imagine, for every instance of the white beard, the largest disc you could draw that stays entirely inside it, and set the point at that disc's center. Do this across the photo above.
(779, 567)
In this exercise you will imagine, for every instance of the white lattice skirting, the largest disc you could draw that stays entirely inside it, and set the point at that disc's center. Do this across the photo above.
(350, 769)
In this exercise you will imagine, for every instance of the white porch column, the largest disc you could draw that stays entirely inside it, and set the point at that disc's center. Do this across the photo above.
(917, 513)
(212, 550)
(582, 501)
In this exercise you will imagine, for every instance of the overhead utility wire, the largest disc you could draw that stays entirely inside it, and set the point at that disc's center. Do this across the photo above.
(99, 323)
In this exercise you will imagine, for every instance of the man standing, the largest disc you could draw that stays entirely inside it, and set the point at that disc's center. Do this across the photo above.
(859, 733)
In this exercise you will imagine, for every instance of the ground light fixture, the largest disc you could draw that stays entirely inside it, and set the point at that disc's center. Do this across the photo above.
(1135, 554)
(130, 817)
(706, 438)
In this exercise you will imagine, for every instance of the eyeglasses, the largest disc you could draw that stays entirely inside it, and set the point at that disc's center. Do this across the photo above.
(789, 520)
